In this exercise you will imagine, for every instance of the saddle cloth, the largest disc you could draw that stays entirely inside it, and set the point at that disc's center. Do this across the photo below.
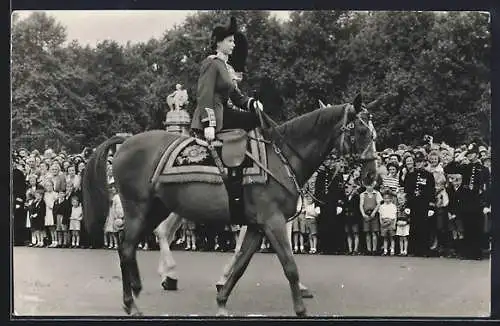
(189, 160)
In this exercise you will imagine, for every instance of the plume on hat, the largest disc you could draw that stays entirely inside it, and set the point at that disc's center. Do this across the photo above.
(238, 58)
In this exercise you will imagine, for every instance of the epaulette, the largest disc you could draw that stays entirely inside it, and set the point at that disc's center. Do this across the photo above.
(210, 117)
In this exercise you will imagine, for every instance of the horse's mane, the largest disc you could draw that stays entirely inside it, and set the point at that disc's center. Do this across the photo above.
(303, 124)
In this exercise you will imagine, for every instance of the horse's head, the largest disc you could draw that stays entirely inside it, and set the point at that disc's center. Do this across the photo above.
(357, 138)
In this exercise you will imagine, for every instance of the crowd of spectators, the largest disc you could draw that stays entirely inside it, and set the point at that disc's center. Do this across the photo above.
(428, 200)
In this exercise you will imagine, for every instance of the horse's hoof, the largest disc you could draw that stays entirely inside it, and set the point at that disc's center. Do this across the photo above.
(302, 313)
(136, 290)
(126, 309)
(169, 284)
(305, 293)
(222, 313)
(137, 314)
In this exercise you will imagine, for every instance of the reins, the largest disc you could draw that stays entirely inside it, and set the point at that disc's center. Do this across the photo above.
(291, 173)
(277, 149)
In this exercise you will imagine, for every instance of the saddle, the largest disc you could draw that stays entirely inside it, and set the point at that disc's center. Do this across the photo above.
(234, 145)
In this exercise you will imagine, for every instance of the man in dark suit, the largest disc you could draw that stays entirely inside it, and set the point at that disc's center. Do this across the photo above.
(419, 186)
(19, 197)
(476, 178)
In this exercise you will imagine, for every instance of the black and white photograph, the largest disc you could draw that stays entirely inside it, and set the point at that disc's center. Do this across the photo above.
(250, 163)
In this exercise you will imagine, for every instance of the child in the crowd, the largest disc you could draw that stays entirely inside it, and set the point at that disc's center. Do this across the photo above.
(369, 203)
(109, 237)
(388, 216)
(349, 210)
(442, 200)
(37, 211)
(115, 213)
(62, 211)
(311, 213)
(298, 232)
(403, 222)
(30, 197)
(75, 221)
(50, 197)
(265, 245)
(189, 229)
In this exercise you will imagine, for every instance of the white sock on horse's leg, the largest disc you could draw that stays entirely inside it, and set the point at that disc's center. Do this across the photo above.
(165, 232)
(289, 233)
(229, 266)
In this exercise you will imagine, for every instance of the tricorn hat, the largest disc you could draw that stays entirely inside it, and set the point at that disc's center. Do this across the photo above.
(238, 58)
(220, 32)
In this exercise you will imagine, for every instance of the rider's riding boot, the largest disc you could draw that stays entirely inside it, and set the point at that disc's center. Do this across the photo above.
(235, 190)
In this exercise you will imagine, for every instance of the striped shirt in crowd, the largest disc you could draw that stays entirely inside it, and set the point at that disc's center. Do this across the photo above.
(390, 182)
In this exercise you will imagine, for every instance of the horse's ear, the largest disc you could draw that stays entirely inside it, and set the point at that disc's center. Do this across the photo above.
(358, 101)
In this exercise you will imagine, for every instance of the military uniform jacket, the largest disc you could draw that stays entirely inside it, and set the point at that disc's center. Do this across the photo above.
(215, 87)
(459, 201)
(419, 187)
(476, 179)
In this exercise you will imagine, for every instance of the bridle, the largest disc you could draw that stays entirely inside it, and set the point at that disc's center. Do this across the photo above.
(346, 128)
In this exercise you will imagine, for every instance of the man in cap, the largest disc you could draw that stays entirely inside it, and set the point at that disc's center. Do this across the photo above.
(483, 151)
(419, 186)
(458, 196)
(476, 178)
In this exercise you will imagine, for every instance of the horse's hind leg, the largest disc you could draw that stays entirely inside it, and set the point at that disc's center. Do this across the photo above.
(134, 215)
(251, 241)
(167, 266)
(275, 230)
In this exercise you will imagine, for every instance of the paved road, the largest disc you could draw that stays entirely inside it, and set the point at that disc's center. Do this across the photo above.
(88, 282)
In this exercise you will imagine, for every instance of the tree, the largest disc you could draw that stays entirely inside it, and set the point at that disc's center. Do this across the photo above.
(428, 71)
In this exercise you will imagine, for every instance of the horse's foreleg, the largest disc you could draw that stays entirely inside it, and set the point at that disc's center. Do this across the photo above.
(167, 266)
(304, 291)
(275, 230)
(250, 244)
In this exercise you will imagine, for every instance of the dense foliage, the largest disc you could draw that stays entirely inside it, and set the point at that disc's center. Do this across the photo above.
(437, 66)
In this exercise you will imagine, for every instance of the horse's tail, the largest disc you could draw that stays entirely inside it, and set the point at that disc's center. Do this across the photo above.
(95, 193)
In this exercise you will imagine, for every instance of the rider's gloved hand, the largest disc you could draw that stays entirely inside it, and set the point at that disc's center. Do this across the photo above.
(209, 133)
(255, 105)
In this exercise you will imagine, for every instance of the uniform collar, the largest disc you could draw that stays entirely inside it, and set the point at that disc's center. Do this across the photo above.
(222, 56)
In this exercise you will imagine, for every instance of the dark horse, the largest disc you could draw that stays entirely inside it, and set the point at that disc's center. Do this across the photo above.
(308, 140)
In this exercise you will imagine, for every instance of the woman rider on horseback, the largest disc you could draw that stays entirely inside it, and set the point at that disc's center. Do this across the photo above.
(216, 85)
